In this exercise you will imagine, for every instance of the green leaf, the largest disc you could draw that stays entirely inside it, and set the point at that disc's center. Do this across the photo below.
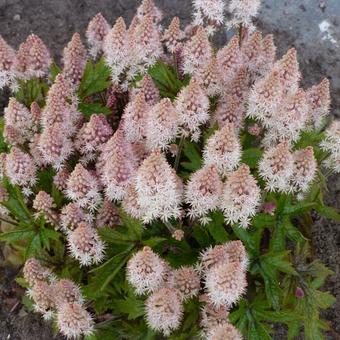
(22, 282)
(154, 241)
(110, 235)
(135, 227)
(294, 329)
(258, 331)
(17, 235)
(34, 246)
(191, 152)
(328, 212)
(251, 157)
(166, 80)
(262, 220)
(284, 316)
(278, 261)
(130, 305)
(292, 232)
(251, 239)
(272, 287)
(201, 235)
(115, 271)
(95, 78)
(3, 145)
(324, 299)
(90, 108)
(54, 71)
(298, 208)
(216, 227)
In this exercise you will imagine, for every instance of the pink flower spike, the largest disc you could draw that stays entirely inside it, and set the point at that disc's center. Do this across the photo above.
(83, 188)
(197, 52)
(164, 310)
(8, 64)
(223, 149)
(192, 105)
(159, 188)
(74, 58)
(117, 165)
(146, 271)
(54, 146)
(162, 125)
(85, 245)
(96, 32)
(20, 168)
(34, 58)
(203, 192)
(241, 197)
(135, 117)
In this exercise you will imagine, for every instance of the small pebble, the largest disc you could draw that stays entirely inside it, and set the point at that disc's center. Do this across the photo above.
(17, 17)
(322, 6)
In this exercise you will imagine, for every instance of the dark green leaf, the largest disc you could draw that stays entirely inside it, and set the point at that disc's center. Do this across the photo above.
(17, 235)
(154, 241)
(329, 212)
(54, 71)
(90, 108)
(95, 78)
(298, 208)
(130, 305)
(251, 157)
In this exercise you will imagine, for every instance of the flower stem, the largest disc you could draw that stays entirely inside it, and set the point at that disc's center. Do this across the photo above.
(179, 152)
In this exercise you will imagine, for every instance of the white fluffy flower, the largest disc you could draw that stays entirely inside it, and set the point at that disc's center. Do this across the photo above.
(159, 189)
(146, 271)
(85, 245)
(223, 149)
(276, 168)
(225, 283)
(164, 310)
(241, 196)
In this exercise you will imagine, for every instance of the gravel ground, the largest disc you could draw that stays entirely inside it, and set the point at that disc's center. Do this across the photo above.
(312, 26)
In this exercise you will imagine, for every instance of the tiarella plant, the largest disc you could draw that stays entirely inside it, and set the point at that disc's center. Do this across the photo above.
(155, 186)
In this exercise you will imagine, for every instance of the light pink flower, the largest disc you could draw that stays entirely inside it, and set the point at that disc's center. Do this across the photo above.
(164, 310)
(192, 105)
(33, 57)
(173, 35)
(117, 165)
(223, 149)
(83, 188)
(162, 125)
(276, 167)
(203, 192)
(159, 188)
(146, 271)
(186, 281)
(135, 117)
(73, 320)
(54, 145)
(225, 283)
(85, 245)
(197, 52)
(20, 168)
(241, 197)
(96, 32)
(8, 64)
(74, 58)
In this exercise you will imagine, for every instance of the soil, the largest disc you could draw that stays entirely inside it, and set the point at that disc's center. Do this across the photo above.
(311, 26)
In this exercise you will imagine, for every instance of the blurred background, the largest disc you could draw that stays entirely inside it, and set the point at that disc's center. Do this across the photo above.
(311, 26)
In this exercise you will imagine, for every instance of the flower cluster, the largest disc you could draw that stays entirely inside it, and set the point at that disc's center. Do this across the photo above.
(221, 272)
(60, 300)
(152, 131)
